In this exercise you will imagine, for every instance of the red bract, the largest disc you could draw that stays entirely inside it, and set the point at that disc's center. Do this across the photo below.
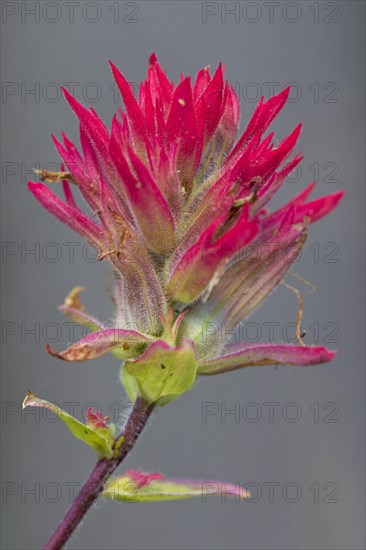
(96, 419)
(181, 216)
(141, 478)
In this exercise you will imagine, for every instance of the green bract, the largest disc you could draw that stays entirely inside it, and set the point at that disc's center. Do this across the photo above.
(162, 373)
(99, 439)
(136, 486)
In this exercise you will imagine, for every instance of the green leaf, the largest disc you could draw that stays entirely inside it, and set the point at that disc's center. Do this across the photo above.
(162, 373)
(102, 444)
(140, 487)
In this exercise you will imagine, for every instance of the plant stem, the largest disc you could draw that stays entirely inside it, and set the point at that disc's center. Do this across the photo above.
(94, 485)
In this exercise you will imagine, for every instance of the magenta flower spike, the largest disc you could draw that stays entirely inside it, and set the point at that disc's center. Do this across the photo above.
(180, 213)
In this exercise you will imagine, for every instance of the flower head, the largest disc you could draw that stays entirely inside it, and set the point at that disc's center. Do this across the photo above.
(179, 212)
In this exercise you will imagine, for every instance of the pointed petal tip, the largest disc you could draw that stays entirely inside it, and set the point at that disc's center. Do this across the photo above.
(57, 143)
(340, 193)
(152, 59)
(286, 91)
(294, 136)
(319, 208)
(220, 70)
(329, 354)
(336, 197)
(112, 65)
(29, 397)
(32, 185)
(74, 104)
(310, 187)
(67, 94)
(115, 70)
(54, 139)
(299, 127)
(282, 97)
(279, 99)
(52, 352)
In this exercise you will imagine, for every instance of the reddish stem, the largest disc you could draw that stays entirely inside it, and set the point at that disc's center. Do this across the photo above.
(94, 485)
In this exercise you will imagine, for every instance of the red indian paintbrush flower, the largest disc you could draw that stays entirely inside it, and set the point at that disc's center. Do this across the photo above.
(179, 212)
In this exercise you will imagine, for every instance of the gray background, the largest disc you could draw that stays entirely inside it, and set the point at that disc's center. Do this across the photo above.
(42, 455)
